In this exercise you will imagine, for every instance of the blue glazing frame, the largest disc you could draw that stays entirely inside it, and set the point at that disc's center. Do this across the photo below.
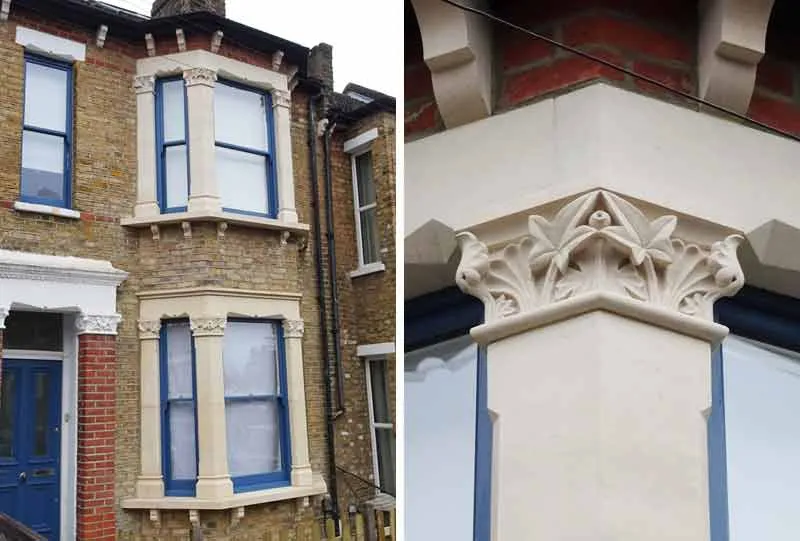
(272, 172)
(437, 317)
(162, 145)
(66, 67)
(280, 478)
(759, 315)
(175, 487)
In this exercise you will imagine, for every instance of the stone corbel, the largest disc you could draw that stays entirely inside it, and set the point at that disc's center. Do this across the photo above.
(731, 44)
(216, 41)
(5, 8)
(155, 517)
(150, 42)
(187, 229)
(97, 324)
(458, 50)
(102, 32)
(181, 37)
(599, 252)
(277, 59)
(3, 316)
(237, 514)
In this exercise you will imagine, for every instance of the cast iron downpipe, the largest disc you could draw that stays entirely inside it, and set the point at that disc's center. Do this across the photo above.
(337, 343)
(323, 313)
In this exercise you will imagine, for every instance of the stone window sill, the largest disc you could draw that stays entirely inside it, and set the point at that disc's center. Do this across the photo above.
(242, 499)
(371, 268)
(21, 206)
(227, 217)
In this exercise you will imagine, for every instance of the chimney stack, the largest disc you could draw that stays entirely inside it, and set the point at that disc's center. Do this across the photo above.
(320, 65)
(167, 8)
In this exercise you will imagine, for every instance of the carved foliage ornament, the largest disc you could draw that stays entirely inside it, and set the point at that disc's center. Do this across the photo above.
(97, 324)
(207, 326)
(293, 328)
(599, 242)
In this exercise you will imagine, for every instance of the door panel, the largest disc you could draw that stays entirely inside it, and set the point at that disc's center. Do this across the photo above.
(30, 444)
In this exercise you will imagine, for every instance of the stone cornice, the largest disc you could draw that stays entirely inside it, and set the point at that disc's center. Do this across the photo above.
(28, 266)
(601, 247)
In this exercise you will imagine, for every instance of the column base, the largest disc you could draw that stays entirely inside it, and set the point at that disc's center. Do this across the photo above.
(212, 488)
(204, 204)
(288, 216)
(149, 487)
(302, 476)
(146, 209)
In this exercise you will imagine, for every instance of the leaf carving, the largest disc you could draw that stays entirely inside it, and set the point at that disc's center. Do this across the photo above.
(556, 239)
(639, 235)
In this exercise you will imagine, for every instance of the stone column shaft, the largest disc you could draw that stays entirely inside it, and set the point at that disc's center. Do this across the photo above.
(204, 192)
(301, 465)
(146, 197)
(282, 111)
(150, 483)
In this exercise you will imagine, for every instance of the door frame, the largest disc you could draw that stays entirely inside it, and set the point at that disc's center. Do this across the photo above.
(69, 426)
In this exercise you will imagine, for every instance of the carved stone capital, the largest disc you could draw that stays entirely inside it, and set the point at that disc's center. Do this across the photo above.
(293, 328)
(599, 244)
(281, 98)
(143, 84)
(200, 76)
(149, 330)
(97, 324)
(207, 326)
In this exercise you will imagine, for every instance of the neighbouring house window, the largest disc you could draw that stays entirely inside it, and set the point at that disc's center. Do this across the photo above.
(366, 208)
(754, 434)
(179, 409)
(244, 142)
(256, 412)
(172, 148)
(383, 442)
(47, 133)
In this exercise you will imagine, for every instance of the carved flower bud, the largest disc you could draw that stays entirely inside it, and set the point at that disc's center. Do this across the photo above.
(599, 219)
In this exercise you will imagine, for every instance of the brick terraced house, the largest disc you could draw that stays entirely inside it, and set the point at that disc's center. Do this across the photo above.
(196, 277)
(601, 274)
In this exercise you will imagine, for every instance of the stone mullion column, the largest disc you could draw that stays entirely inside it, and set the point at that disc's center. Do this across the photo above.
(301, 465)
(598, 332)
(213, 476)
(146, 194)
(282, 154)
(97, 360)
(204, 189)
(150, 483)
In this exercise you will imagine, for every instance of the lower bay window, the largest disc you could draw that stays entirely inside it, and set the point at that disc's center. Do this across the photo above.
(223, 414)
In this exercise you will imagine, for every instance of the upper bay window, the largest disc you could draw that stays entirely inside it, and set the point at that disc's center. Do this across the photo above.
(47, 132)
(366, 209)
(214, 143)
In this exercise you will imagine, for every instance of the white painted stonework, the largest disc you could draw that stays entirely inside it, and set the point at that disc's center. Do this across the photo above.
(50, 45)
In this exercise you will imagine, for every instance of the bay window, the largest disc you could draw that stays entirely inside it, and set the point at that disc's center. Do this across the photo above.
(243, 138)
(256, 416)
(171, 139)
(47, 132)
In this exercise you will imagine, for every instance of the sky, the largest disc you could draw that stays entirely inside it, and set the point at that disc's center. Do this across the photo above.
(366, 35)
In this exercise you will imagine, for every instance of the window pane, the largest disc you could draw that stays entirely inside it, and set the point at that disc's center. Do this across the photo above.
(253, 430)
(380, 402)
(366, 186)
(173, 109)
(250, 359)
(762, 398)
(177, 179)
(440, 418)
(41, 384)
(240, 117)
(45, 97)
(179, 360)
(42, 166)
(384, 438)
(182, 454)
(369, 235)
(8, 391)
(242, 180)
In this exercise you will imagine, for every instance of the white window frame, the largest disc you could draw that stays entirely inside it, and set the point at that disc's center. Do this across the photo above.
(358, 146)
(373, 425)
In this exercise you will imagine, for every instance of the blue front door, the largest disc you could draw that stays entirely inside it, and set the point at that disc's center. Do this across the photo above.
(30, 444)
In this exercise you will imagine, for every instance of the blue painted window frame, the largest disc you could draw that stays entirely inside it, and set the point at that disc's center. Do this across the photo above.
(175, 487)
(162, 145)
(280, 478)
(67, 135)
(759, 315)
(272, 173)
(437, 317)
